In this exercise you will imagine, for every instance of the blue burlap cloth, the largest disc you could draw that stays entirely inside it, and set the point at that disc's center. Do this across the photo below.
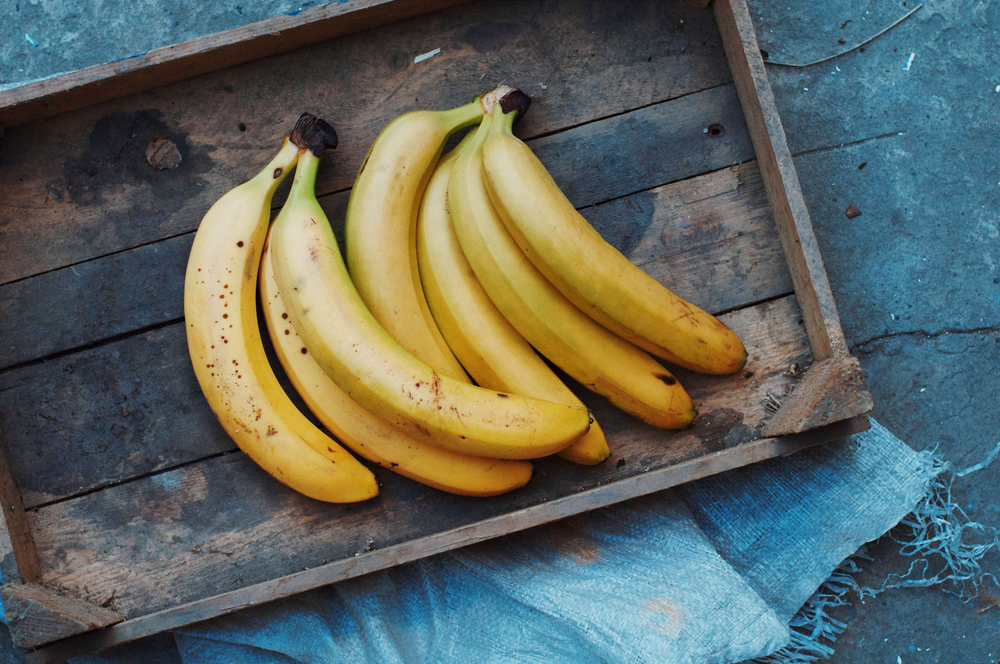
(713, 571)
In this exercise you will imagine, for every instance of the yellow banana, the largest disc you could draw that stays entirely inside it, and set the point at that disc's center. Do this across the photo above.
(380, 229)
(484, 342)
(369, 436)
(376, 371)
(590, 272)
(220, 315)
(588, 352)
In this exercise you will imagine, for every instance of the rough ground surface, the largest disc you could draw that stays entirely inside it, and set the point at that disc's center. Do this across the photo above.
(912, 143)
(43, 38)
(917, 275)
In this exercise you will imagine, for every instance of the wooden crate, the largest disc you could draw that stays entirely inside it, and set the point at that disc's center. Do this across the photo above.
(128, 511)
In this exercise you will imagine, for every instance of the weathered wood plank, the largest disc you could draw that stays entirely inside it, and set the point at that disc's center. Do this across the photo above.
(112, 80)
(131, 407)
(832, 390)
(36, 614)
(703, 237)
(695, 134)
(79, 186)
(711, 239)
(93, 301)
(197, 529)
(18, 562)
(94, 417)
(599, 496)
(780, 179)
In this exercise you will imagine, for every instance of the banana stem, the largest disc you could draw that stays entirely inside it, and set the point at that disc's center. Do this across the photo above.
(304, 184)
(479, 137)
(464, 116)
(504, 121)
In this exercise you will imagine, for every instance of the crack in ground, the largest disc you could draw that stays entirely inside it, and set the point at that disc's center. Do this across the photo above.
(926, 335)
(847, 144)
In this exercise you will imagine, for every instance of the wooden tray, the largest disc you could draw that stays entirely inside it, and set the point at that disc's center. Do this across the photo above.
(128, 511)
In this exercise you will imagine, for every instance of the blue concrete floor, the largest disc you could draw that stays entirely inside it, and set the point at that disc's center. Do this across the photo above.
(906, 129)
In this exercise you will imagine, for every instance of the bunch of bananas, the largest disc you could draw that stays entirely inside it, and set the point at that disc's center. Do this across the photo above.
(419, 353)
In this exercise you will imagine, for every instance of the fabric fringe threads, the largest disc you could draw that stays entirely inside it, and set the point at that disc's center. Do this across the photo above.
(947, 548)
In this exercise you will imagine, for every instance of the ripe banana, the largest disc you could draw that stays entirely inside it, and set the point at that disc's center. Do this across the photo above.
(220, 314)
(366, 434)
(589, 271)
(380, 229)
(597, 358)
(378, 373)
(484, 342)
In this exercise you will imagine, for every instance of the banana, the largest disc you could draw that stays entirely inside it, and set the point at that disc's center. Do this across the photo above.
(369, 436)
(380, 229)
(377, 372)
(220, 313)
(590, 272)
(484, 342)
(588, 352)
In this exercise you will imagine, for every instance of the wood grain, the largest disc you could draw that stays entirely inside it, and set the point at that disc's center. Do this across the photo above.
(647, 147)
(95, 417)
(197, 537)
(36, 614)
(99, 83)
(97, 300)
(18, 562)
(78, 186)
(780, 179)
(832, 390)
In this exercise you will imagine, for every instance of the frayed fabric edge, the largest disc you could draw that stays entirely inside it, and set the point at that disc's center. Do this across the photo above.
(946, 544)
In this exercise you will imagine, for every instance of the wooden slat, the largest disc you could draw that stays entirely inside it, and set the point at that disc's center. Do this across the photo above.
(782, 183)
(647, 147)
(18, 562)
(112, 80)
(82, 421)
(78, 186)
(711, 239)
(133, 406)
(832, 390)
(93, 301)
(198, 537)
(37, 615)
(602, 496)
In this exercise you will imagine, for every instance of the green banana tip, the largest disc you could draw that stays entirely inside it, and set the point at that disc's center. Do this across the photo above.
(314, 134)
